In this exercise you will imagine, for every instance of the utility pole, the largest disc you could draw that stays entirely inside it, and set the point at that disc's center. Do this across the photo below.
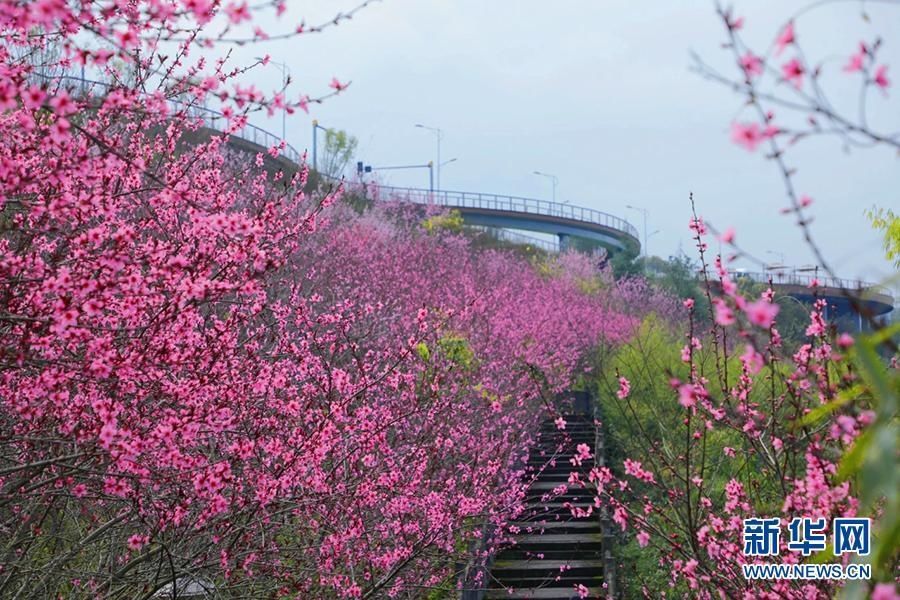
(553, 179)
(285, 71)
(315, 142)
(439, 134)
(644, 212)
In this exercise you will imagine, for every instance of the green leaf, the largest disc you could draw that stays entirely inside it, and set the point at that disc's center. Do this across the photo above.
(820, 412)
(852, 460)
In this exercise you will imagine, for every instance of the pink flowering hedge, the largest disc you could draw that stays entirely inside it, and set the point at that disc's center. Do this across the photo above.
(224, 381)
(210, 375)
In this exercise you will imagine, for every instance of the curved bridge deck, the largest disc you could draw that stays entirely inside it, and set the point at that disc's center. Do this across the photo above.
(530, 214)
(480, 209)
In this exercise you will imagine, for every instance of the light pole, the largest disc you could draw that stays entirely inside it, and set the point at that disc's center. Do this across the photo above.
(285, 72)
(780, 268)
(439, 134)
(315, 128)
(553, 179)
(445, 163)
(780, 265)
(644, 212)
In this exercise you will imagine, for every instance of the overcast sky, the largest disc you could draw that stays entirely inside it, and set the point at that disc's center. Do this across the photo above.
(601, 95)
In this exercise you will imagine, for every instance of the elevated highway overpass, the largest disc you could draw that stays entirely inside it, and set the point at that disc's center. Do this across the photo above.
(477, 208)
(530, 214)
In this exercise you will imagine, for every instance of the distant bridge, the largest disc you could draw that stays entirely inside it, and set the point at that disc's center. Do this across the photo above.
(477, 208)
(842, 295)
(529, 214)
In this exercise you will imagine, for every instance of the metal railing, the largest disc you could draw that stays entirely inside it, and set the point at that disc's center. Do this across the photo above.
(212, 119)
(251, 133)
(515, 204)
(793, 278)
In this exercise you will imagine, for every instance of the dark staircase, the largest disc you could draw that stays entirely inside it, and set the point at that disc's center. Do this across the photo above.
(552, 552)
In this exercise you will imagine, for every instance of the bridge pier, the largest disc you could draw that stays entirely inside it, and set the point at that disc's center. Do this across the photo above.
(563, 242)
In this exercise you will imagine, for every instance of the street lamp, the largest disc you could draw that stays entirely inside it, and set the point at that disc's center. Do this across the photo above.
(553, 179)
(780, 255)
(644, 212)
(315, 129)
(445, 163)
(285, 72)
(439, 134)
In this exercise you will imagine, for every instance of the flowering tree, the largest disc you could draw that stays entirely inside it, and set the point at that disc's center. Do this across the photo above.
(746, 430)
(210, 377)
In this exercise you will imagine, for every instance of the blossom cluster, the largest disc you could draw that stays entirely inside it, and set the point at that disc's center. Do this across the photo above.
(211, 371)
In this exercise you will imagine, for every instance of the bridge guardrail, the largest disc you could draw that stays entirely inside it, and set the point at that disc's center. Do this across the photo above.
(803, 279)
(212, 119)
(455, 199)
(216, 120)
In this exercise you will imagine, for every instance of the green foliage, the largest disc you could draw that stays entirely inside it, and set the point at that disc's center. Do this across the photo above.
(625, 262)
(652, 414)
(451, 222)
(648, 426)
(584, 245)
(793, 315)
(872, 461)
(358, 201)
(678, 276)
(590, 286)
(791, 321)
(482, 240)
(546, 266)
(888, 223)
(456, 349)
(338, 151)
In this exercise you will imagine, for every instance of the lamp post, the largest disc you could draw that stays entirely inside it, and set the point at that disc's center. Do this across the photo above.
(445, 163)
(439, 134)
(644, 212)
(553, 179)
(778, 266)
(315, 139)
(285, 72)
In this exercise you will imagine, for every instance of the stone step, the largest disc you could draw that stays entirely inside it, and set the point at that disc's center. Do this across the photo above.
(563, 437)
(552, 539)
(535, 494)
(507, 570)
(559, 457)
(544, 593)
(555, 478)
(549, 485)
(558, 461)
(556, 581)
(554, 473)
(561, 527)
(543, 553)
(556, 513)
(548, 537)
